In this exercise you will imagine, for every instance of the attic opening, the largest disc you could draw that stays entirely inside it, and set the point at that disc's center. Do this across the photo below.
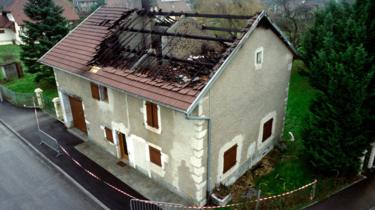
(180, 48)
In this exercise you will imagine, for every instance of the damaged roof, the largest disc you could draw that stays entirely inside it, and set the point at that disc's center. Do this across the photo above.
(148, 54)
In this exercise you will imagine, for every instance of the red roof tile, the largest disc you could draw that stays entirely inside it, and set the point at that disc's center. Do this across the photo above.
(15, 7)
(77, 49)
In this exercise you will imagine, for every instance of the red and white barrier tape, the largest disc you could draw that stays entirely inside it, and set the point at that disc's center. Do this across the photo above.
(180, 205)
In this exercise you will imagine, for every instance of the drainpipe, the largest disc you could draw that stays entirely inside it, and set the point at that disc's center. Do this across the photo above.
(190, 117)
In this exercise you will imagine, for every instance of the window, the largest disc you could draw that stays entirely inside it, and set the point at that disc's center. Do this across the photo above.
(258, 58)
(155, 156)
(267, 129)
(152, 115)
(2, 31)
(99, 92)
(230, 158)
(108, 134)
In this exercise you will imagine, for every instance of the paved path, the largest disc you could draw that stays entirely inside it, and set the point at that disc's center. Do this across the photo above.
(360, 196)
(23, 121)
(27, 182)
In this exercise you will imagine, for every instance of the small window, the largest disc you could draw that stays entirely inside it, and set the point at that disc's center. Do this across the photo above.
(155, 156)
(2, 31)
(108, 134)
(99, 92)
(230, 158)
(259, 57)
(152, 115)
(267, 129)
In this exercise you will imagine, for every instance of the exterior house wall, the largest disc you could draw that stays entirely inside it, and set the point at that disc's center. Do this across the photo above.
(181, 141)
(11, 37)
(242, 98)
(7, 37)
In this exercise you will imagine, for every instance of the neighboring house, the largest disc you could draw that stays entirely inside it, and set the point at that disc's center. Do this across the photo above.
(85, 6)
(174, 5)
(12, 11)
(187, 108)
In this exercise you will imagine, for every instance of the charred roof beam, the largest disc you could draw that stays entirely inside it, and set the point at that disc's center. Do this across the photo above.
(187, 36)
(223, 29)
(153, 54)
(187, 14)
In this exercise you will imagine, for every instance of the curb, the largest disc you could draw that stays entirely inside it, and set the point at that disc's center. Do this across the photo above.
(48, 161)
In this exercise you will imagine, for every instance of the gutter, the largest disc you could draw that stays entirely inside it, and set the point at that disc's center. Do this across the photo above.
(190, 117)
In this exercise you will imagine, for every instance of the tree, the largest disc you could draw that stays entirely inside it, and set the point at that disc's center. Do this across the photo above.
(292, 16)
(236, 7)
(45, 28)
(333, 49)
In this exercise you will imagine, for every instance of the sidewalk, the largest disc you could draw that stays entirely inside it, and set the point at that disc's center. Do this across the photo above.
(23, 122)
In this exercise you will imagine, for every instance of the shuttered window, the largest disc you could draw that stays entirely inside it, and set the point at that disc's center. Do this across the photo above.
(95, 91)
(152, 115)
(267, 130)
(230, 158)
(99, 92)
(108, 134)
(155, 156)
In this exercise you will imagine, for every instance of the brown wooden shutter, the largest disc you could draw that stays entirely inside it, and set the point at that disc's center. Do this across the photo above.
(155, 156)
(267, 129)
(230, 158)
(95, 91)
(149, 114)
(155, 116)
(108, 133)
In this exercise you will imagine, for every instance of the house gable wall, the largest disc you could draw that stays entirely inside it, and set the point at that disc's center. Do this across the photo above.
(242, 97)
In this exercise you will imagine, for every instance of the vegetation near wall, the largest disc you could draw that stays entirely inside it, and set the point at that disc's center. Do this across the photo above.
(336, 134)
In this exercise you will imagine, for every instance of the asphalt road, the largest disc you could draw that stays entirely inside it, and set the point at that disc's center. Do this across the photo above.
(27, 182)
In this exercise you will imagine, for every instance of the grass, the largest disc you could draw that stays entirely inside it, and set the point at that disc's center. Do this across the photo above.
(27, 83)
(291, 171)
(7, 51)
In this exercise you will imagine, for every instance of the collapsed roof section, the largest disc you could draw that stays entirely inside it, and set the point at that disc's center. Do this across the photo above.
(182, 51)
(164, 57)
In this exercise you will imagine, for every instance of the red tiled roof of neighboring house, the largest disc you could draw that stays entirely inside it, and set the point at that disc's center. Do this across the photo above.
(15, 7)
(5, 22)
(74, 53)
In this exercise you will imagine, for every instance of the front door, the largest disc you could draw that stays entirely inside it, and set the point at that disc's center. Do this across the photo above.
(78, 114)
(123, 146)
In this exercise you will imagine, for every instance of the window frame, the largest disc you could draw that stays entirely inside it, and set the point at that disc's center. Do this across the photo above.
(258, 51)
(153, 150)
(264, 142)
(226, 153)
(155, 115)
(99, 92)
(108, 134)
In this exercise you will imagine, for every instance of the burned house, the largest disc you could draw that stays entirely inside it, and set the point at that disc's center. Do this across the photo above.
(188, 104)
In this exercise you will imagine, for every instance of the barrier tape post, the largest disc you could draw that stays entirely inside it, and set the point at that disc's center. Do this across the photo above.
(258, 200)
(313, 191)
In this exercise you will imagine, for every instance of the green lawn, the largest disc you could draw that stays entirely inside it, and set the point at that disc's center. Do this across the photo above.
(291, 171)
(7, 51)
(25, 84)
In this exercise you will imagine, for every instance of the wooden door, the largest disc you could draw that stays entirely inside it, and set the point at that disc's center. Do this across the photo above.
(123, 146)
(78, 114)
